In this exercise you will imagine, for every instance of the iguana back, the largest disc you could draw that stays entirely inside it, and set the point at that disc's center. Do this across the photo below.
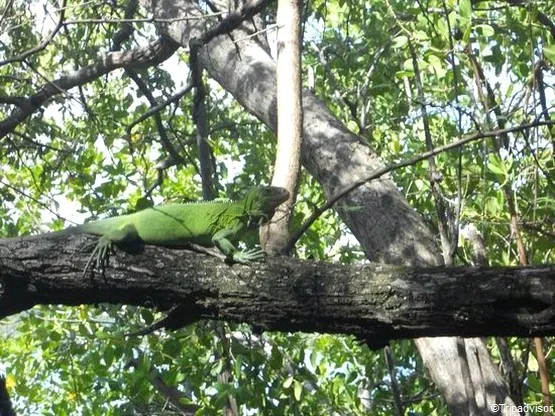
(214, 223)
(175, 224)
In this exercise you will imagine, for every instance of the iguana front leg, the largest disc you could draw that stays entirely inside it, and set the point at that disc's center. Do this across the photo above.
(222, 242)
(101, 251)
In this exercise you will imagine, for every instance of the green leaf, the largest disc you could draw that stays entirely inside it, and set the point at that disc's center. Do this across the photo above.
(549, 53)
(420, 35)
(84, 330)
(276, 359)
(297, 391)
(147, 316)
(533, 363)
(465, 9)
(288, 382)
(486, 30)
(499, 167)
(172, 347)
(108, 356)
(467, 33)
(238, 367)
(399, 42)
(496, 167)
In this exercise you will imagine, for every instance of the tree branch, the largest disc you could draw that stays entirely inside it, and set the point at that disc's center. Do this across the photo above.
(376, 303)
(171, 394)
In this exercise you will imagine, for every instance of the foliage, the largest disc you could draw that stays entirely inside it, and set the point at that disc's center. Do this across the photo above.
(75, 160)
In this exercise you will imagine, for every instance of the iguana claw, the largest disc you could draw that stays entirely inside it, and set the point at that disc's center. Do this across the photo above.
(247, 256)
(100, 254)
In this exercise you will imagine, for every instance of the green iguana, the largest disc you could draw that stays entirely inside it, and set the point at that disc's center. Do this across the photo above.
(214, 223)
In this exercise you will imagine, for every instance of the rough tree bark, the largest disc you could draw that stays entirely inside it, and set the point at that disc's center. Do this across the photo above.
(374, 302)
(388, 229)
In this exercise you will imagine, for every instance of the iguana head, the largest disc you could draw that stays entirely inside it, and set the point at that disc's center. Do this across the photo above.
(261, 203)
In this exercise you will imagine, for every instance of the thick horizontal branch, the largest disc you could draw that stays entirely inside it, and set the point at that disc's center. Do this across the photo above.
(373, 302)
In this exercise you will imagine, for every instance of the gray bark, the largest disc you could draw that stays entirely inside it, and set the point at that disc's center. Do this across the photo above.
(376, 303)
